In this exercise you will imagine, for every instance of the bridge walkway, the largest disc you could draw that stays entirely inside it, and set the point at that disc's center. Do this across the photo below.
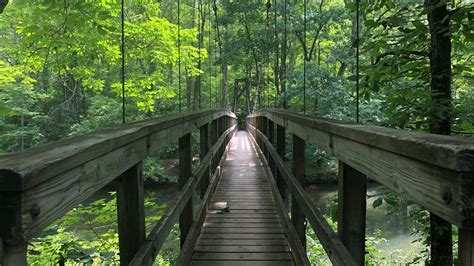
(243, 226)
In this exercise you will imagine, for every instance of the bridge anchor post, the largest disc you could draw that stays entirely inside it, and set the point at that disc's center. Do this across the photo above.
(185, 172)
(352, 210)
(298, 166)
(130, 212)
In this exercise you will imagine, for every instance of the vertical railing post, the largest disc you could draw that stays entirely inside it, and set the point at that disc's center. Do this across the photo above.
(280, 147)
(265, 132)
(259, 127)
(12, 248)
(12, 255)
(130, 212)
(466, 247)
(221, 130)
(298, 166)
(271, 138)
(185, 172)
(214, 138)
(351, 211)
(204, 149)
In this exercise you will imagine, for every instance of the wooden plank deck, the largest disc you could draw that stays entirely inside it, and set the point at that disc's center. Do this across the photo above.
(242, 226)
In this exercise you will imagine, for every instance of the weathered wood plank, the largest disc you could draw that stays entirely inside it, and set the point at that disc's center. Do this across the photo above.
(243, 230)
(187, 249)
(38, 164)
(242, 249)
(157, 236)
(242, 263)
(242, 236)
(243, 187)
(351, 210)
(252, 211)
(436, 172)
(203, 150)
(56, 177)
(466, 247)
(130, 212)
(298, 166)
(245, 225)
(280, 147)
(271, 138)
(240, 220)
(299, 253)
(333, 246)
(185, 172)
(243, 256)
(13, 255)
(242, 242)
(444, 151)
(243, 215)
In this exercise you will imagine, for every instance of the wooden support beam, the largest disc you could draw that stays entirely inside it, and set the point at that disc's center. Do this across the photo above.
(214, 138)
(204, 149)
(185, 172)
(434, 171)
(352, 210)
(441, 240)
(271, 138)
(299, 252)
(466, 247)
(280, 147)
(12, 255)
(265, 131)
(298, 165)
(157, 237)
(332, 244)
(130, 212)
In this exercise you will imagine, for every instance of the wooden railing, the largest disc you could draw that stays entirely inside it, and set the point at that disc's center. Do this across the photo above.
(39, 185)
(436, 172)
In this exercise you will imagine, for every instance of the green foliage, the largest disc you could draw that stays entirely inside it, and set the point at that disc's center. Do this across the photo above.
(88, 235)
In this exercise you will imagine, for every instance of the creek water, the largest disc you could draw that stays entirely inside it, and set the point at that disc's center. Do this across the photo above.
(388, 224)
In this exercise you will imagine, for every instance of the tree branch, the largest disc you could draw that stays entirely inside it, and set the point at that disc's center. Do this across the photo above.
(399, 52)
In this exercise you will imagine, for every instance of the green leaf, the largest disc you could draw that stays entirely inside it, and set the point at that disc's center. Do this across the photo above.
(377, 203)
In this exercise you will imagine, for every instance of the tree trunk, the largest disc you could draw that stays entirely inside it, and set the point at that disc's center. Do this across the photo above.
(3, 4)
(440, 120)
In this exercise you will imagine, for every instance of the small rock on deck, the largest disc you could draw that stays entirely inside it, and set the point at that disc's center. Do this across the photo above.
(242, 226)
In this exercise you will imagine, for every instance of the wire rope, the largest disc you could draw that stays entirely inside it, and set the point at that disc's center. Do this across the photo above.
(275, 20)
(357, 59)
(122, 51)
(305, 4)
(179, 55)
(209, 57)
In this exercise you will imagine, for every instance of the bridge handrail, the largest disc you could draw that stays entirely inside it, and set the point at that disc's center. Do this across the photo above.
(436, 172)
(39, 185)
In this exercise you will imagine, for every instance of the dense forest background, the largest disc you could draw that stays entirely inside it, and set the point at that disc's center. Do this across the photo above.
(60, 68)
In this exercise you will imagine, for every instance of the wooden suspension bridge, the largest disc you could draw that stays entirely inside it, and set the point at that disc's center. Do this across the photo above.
(243, 218)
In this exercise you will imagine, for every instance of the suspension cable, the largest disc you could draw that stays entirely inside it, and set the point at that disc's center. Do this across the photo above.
(179, 55)
(209, 57)
(122, 51)
(285, 104)
(200, 32)
(357, 58)
(305, 4)
(276, 51)
(218, 45)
